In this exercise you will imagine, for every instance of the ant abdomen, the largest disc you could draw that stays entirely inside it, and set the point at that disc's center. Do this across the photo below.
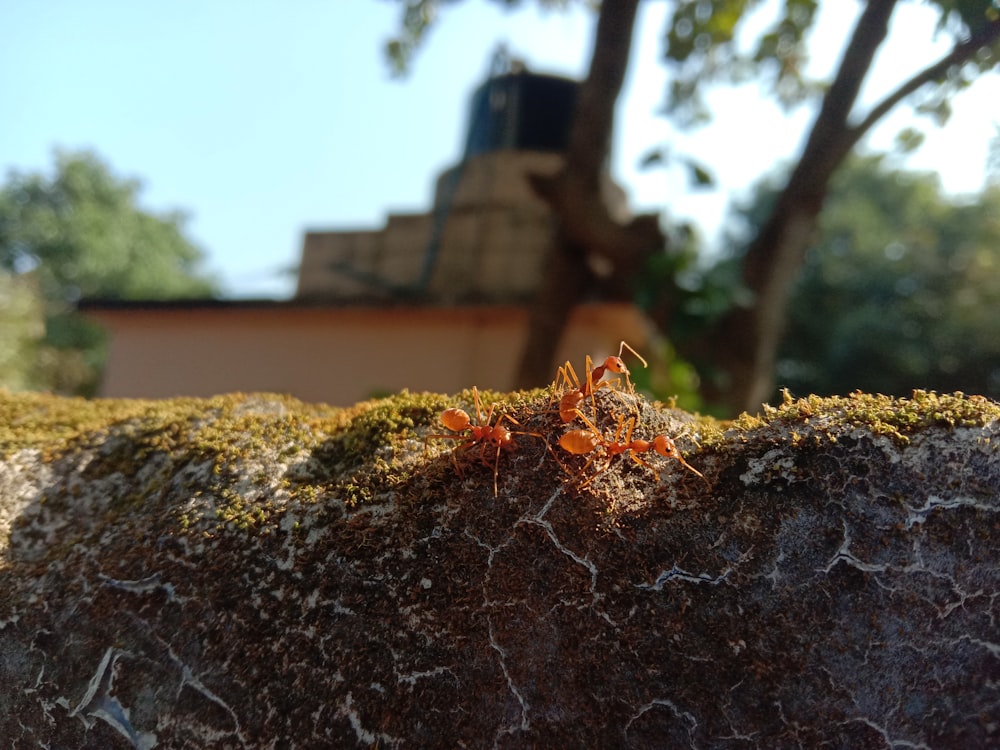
(455, 420)
(580, 442)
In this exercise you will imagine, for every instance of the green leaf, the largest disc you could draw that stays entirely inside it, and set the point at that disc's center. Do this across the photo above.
(909, 140)
(655, 157)
(698, 174)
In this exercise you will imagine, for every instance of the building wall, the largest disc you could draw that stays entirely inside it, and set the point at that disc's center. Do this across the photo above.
(347, 334)
(486, 238)
(336, 355)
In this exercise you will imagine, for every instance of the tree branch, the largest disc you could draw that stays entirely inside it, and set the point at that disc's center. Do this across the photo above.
(831, 123)
(593, 122)
(959, 54)
(584, 224)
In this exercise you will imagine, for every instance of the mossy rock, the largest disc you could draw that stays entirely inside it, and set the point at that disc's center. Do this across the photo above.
(253, 571)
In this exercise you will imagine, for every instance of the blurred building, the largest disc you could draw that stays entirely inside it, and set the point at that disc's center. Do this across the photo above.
(485, 238)
(332, 353)
(431, 301)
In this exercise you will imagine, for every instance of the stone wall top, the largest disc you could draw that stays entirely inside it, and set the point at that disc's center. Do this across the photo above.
(253, 571)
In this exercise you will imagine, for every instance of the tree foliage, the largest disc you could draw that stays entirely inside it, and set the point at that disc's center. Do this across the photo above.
(82, 233)
(738, 355)
(899, 292)
(416, 20)
(703, 48)
(22, 327)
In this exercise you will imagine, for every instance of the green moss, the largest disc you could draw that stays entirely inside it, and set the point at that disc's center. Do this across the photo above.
(898, 418)
(359, 462)
(144, 443)
(375, 423)
(360, 454)
(50, 424)
(244, 514)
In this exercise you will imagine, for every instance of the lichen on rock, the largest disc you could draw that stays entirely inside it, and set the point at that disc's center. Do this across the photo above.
(253, 571)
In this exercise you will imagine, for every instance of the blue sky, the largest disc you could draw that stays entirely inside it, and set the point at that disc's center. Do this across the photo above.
(262, 119)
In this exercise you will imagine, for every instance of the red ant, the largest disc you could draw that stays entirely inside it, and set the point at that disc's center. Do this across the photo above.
(571, 401)
(581, 442)
(483, 434)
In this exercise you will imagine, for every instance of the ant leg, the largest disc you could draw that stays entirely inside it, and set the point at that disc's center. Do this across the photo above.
(599, 451)
(597, 473)
(496, 472)
(638, 356)
(575, 392)
(486, 421)
(628, 433)
(562, 377)
(479, 408)
(468, 443)
(555, 456)
(428, 438)
(565, 378)
(591, 425)
(632, 423)
(589, 385)
(656, 474)
(569, 378)
(510, 419)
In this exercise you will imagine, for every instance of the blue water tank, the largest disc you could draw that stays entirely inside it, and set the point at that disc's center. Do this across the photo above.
(523, 111)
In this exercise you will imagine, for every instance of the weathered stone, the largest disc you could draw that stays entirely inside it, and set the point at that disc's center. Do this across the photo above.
(251, 571)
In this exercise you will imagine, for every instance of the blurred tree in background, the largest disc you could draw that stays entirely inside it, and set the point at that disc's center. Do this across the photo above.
(80, 233)
(901, 290)
(22, 327)
(737, 354)
(707, 44)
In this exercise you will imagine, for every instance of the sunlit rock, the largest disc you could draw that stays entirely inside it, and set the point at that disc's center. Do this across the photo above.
(251, 571)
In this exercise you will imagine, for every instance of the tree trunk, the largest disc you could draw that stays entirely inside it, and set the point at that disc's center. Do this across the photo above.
(742, 349)
(583, 224)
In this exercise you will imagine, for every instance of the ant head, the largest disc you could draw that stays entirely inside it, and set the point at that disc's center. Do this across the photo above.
(616, 365)
(500, 434)
(665, 447)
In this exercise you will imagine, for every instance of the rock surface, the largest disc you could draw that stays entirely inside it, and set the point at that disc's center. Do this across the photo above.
(254, 572)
